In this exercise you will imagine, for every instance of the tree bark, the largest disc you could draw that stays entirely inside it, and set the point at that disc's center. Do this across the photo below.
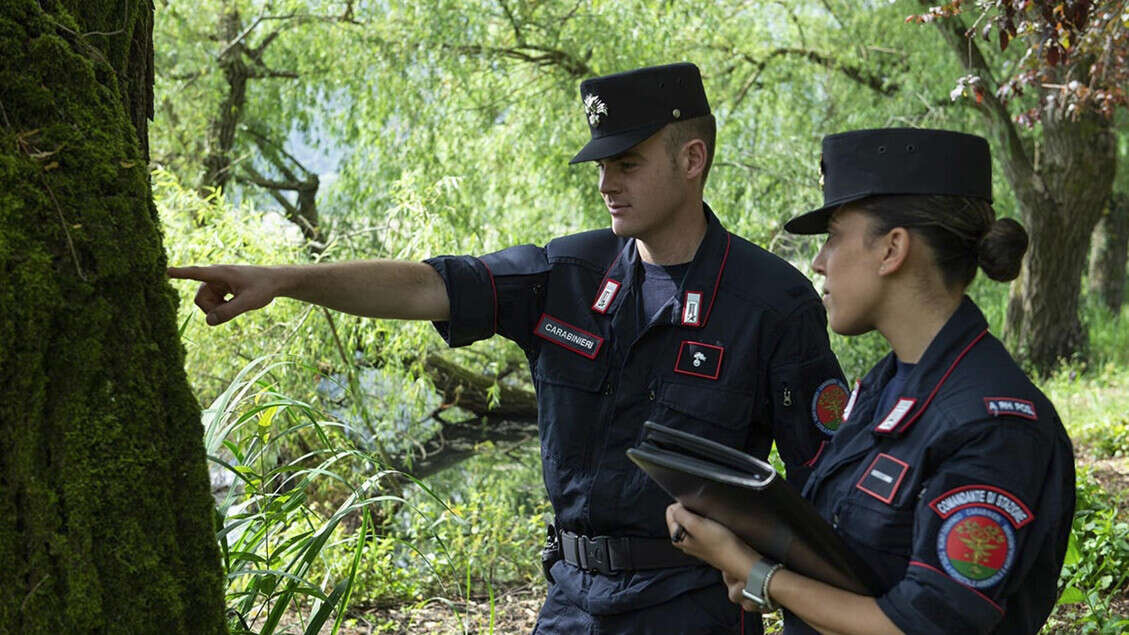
(1060, 207)
(1110, 254)
(106, 521)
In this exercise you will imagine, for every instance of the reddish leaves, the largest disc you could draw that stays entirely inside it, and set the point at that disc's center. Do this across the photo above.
(1076, 51)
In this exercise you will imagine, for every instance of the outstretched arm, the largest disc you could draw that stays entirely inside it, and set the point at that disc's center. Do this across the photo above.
(826, 608)
(370, 288)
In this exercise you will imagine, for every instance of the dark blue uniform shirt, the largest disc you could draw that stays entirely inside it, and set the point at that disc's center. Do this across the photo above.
(960, 494)
(740, 355)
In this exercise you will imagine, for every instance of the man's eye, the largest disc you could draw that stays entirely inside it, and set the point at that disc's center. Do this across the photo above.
(627, 165)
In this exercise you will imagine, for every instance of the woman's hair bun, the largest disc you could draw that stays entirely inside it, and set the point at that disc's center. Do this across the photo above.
(1000, 252)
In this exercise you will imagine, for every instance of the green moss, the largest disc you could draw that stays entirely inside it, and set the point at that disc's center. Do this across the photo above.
(105, 514)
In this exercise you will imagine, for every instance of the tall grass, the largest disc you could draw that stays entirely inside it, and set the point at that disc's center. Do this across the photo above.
(269, 535)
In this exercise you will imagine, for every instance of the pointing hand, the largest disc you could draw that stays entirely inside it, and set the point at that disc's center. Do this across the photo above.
(249, 288)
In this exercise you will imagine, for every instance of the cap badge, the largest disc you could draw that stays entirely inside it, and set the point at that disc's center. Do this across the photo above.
(595, 108)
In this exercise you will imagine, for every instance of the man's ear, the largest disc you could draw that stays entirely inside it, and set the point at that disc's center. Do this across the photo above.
(693, 158)
(895, 250)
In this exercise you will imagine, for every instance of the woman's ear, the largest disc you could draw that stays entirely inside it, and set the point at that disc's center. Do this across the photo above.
(895, 250)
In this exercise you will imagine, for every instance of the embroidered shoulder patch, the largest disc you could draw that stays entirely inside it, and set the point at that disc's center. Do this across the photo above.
(986, 497)
(1010, 406)
(976, 547)
(568, 336)
(828, 405)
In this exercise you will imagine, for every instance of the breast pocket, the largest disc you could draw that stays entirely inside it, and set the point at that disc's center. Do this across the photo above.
(887, 531)
(715, 413)
(571, 397)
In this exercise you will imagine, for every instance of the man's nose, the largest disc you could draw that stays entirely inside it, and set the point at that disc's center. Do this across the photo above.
(608, 183)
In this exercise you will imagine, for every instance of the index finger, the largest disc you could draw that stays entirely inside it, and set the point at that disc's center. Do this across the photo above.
(203, 274)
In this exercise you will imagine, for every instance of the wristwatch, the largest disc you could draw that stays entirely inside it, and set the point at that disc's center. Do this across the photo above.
(756, 585)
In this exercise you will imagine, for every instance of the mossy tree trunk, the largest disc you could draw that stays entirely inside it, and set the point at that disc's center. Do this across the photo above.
(106, 521)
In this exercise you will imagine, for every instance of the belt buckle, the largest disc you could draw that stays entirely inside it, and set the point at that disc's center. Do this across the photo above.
(593, 554)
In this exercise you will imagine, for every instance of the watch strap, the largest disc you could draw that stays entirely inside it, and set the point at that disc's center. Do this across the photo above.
(756, 584)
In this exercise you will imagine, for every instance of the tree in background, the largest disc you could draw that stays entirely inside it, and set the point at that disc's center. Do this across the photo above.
(106, 522)
(1109, 253)
(1070, 80)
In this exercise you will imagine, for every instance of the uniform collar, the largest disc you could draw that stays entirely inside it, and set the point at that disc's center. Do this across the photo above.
(964, 329)
(696, 297)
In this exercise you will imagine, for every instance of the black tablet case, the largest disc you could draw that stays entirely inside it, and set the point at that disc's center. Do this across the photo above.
(748, 496)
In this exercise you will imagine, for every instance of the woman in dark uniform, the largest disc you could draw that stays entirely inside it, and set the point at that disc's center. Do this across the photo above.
(951, 474)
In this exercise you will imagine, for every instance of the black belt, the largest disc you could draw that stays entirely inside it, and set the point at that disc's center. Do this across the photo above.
(609, 554)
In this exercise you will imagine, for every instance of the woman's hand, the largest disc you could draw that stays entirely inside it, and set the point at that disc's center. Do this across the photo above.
(736, 586)
(710, 541)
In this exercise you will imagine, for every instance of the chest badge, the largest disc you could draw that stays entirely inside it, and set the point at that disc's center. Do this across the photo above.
(692, 309)
(883, 478)
(568, 336)
(699, 359)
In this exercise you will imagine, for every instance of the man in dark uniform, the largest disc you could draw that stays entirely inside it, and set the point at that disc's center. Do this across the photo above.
(666, 316)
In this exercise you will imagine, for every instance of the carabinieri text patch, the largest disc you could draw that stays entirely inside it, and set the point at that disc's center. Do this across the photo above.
(571, 337)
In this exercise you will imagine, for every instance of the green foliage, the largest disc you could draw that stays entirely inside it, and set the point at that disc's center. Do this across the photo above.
(270, 533)
(462, 542)
(1097, 561)
(304, 528)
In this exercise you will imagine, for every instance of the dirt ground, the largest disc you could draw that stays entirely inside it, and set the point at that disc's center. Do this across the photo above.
(514, 611)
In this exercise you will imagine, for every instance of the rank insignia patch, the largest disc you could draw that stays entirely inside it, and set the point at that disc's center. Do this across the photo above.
(607, 294)
(828, 405)
(895, 416)
(883, 478)
(692, 309)
(851, 401)
(564, 334)
(998, 406)
(699, 360)
(976, 547)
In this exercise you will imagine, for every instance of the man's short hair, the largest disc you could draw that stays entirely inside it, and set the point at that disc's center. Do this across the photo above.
(704, 128)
